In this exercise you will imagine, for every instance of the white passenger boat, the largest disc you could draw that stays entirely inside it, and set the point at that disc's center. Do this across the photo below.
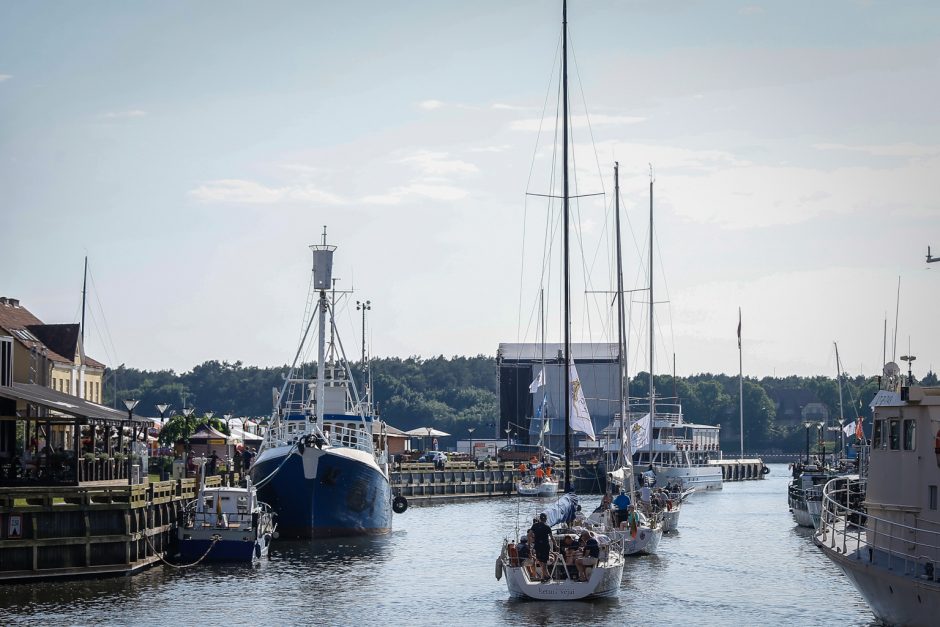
(883, 531)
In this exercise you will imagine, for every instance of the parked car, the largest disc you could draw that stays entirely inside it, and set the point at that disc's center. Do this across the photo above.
(433, 457)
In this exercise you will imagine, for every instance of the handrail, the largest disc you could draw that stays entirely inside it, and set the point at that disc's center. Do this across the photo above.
(847, 527)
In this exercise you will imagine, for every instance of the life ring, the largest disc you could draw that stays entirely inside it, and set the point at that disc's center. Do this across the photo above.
(499, 569)
(765, 470)
(399, 504)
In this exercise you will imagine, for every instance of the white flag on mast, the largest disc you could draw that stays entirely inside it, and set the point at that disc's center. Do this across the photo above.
(849, 428)
(538, 382)
(640, 433)
(580, 416)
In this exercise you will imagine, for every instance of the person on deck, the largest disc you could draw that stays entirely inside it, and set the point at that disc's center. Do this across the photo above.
(539, 475)
(590, 552)
(542, 536)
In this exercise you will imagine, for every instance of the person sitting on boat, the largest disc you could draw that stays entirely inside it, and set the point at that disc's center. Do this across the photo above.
(622, 504)
(539, 475)
(590, 551)
(542, 537)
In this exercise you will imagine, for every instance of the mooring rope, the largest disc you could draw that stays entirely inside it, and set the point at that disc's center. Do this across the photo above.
(215, 538)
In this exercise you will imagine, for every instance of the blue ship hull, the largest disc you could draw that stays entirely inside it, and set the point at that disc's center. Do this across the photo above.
(224, 550)
(335, 495)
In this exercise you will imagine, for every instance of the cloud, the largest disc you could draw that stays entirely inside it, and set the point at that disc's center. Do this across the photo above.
(252, 193)
(577, 121)
(905, 149)
(118, 115)
(500, 148)
(508, 107)
(4, 77)
(437, 163)
(420, 189)
(430, 105)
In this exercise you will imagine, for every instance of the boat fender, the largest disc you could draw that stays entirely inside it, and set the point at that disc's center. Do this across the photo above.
(499, 569)
(399, 504)
(765, 470)
(513, 554)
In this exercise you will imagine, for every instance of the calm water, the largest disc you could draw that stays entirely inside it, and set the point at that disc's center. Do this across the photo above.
(737, 560)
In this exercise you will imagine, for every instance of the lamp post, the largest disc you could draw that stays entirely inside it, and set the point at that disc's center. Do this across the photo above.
(162, 408)
(471, 430)
(363, 307)
(130, 404)
(807, 425)
(508, 440)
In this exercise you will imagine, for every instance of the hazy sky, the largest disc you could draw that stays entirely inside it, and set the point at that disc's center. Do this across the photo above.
(194, 149)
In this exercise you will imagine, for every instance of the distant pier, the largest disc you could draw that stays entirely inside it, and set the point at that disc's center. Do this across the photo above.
(740, 469)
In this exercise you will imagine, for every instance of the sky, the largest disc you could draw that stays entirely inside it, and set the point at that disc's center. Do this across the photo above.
(194, 150)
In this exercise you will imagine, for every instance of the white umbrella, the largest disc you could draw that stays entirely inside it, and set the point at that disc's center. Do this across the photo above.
(426, 432)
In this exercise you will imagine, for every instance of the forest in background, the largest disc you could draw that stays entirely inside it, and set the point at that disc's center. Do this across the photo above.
(457, 393)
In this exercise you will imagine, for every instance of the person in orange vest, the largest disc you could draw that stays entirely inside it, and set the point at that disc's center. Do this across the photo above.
(548, 472)
(539, 475)
(522, 468)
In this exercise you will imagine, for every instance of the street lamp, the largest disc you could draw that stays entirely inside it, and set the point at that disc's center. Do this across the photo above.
(162, 408)
(188, 411)
(363, 307)
(130, 404)
(807, 425)
(508, 431)
(471, 430)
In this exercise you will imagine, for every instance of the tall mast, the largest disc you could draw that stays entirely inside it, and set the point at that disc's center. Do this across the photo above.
(621, 335)
(542, 373)
(740, 384)
(652, 392)
(841, 413)
(322, 281)
(84, 291)
(567, 288)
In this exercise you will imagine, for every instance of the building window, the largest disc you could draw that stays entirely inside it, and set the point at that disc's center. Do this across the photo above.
(909, 429)
(877, 436)
(894, 434)
(932, 496)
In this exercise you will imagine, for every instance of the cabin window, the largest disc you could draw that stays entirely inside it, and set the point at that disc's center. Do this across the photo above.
(909, 429)
(877, 436)
(932, 496)
(894, 434)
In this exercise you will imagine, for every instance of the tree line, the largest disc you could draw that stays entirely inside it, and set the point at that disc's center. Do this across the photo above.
(458, 393)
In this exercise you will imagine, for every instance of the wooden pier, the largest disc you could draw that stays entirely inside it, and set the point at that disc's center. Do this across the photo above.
(98, 528)
(740, 469)
(458, 480)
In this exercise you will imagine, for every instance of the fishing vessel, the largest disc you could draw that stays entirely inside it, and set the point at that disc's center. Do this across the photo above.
(882, 528)
(225, 524)
(323, 465)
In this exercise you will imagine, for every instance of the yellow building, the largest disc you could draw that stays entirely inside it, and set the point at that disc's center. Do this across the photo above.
(50, 355)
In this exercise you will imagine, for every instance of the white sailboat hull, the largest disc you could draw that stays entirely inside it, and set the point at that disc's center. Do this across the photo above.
(603, 582)
(699, 478)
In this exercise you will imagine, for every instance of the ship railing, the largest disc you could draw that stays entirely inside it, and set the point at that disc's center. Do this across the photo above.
(847, 527)
(190, 519)
(339, 435)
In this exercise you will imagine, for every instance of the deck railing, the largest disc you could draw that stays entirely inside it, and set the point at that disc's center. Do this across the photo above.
(847, 527)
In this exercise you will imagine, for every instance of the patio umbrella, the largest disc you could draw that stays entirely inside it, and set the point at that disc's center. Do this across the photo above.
(426, 432)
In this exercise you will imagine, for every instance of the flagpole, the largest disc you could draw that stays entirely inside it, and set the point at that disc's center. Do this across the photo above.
(741, 382)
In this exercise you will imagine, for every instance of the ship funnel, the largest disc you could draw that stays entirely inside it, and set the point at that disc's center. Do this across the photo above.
(323, 264)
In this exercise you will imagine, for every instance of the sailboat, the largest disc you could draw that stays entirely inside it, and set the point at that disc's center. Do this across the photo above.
(323, 466)
(547, 484)
(638, 532)
(678, 453)
(603, 577)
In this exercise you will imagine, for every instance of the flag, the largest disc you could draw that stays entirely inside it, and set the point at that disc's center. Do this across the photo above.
(580, 416)
(849, 428)
(739, 327)
(859, 429)
(538, 382)
(640, 433)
